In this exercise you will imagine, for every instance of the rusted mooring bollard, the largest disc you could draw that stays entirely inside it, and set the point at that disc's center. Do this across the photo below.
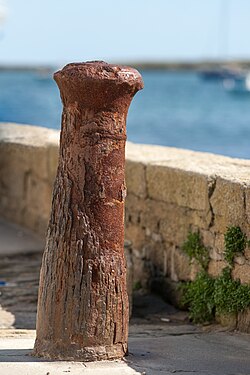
(83, 303)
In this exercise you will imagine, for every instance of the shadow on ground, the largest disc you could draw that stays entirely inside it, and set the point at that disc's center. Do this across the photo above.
(161, 338)
(20, 275)
(19, 355)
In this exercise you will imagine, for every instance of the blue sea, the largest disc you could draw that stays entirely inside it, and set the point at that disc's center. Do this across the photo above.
(174, 109)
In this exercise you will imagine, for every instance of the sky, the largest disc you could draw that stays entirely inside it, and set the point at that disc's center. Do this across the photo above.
(59, 31)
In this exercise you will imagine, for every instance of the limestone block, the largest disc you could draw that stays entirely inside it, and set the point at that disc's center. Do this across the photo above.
(219, 243)
(13, 169)
(214, 255)
(227, 320)
(194, 269)
(167, 255)
(243, 321)
(25, 157)
(173, 274)
(176, 225)
(242, 273)
(240, 259)
(138, 253)
(172, 185)
(12, 208)
(156, 237)
(158, 209)
(136, 178)
(160, 250)
(181, 265)
(129, 272)
(208, 238)
(152, 213)
(247, 253)
(154, 253)
(136, 235)
(38, 196)
(228, 204)
(199, 219)
(30, 219)
(25, 186)
(52, 162)
(142, 272)
(247, 198)
(134, 207)
(38, 161)
(215, 267)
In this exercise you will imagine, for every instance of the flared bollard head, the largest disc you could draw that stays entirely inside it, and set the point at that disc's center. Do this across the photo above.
(98, 85)
(83, 303)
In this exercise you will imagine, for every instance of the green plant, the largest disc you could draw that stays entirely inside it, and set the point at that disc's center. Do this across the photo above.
(229, 295)
(137, 286)
(198, 295)
(205, 296)
(194, 248)
(235, 242)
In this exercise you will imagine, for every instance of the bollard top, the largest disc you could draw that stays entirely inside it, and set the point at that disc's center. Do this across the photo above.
(96, 84)
(100, 70)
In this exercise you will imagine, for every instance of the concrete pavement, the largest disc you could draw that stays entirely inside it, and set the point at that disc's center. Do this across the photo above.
(161, 339)
(15, 358)
(154, 349)
(17, 240)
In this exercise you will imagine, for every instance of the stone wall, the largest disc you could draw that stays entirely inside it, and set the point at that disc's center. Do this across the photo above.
(28, 162)
(170, 192)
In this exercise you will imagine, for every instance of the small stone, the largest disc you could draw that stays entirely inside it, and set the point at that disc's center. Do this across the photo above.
(166, 320)
(156, 237)
(241, 273)
(240, 260)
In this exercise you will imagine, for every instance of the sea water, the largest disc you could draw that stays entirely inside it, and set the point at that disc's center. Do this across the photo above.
(174, 109)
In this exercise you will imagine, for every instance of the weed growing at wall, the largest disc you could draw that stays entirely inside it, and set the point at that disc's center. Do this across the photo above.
(206, 296)
(198, 295)
(235, 242)
(137, 286)
(229, 295)
(194, 248)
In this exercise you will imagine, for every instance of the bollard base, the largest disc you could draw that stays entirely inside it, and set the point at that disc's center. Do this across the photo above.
(73, 352)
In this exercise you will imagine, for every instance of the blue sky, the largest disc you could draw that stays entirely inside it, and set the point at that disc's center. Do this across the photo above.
(58, 31)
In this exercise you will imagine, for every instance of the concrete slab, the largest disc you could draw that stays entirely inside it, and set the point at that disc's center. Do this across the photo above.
(161, 339)
(153, 350)
(20, 260)
(14, 239)
(164, 351)
(15, 358)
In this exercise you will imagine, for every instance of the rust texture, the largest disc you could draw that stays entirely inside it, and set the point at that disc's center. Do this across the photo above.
(83, 303)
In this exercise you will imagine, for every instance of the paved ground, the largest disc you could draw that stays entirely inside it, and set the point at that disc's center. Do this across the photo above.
(17, 240)
(161, 339)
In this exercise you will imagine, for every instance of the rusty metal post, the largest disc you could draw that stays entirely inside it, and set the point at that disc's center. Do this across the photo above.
(83, 304)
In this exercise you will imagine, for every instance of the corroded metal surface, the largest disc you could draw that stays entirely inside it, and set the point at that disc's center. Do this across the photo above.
(83, 303)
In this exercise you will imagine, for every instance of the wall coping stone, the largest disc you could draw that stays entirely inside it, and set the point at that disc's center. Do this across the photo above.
(28, 135)
(203, 163)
